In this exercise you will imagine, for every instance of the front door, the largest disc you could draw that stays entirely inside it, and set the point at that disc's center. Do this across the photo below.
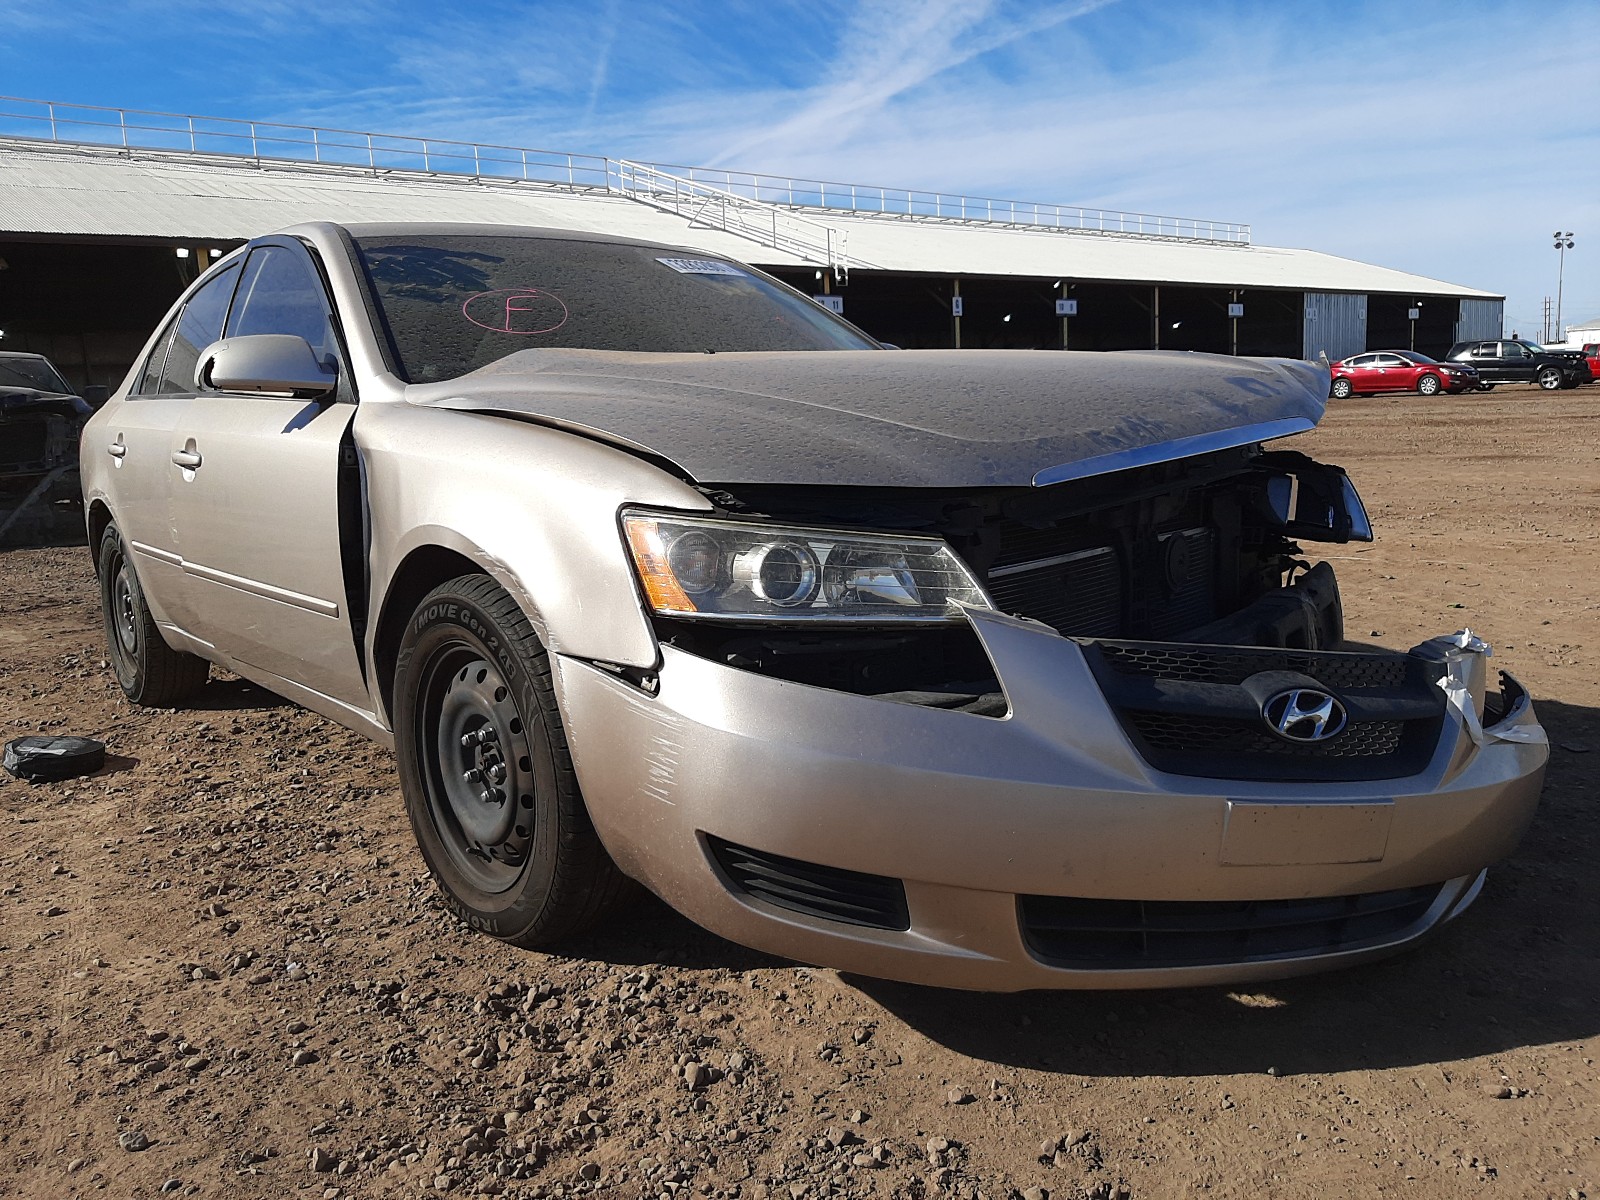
(256, 498)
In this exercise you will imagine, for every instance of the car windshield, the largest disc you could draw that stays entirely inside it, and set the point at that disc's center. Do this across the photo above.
(1413, 356)
(36, 373)
(454, 303)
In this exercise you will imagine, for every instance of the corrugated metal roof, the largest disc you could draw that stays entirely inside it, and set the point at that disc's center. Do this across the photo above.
(79, 192)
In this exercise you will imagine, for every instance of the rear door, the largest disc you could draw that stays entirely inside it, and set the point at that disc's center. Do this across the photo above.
(138, 445)
(256, 496)
(1363, 376)
(1486, 357)
(1392, 373)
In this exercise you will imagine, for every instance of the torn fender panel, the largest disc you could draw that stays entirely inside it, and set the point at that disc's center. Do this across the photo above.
(913, 418)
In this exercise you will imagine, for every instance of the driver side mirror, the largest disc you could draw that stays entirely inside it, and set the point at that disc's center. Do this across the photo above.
(265, 363)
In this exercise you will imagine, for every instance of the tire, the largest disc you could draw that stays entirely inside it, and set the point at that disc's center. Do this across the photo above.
(150, 672)
(1339, 389)
(476, 717)
(1549, 378)
(1428, 385)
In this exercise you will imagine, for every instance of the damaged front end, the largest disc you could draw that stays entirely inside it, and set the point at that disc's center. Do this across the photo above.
(1201, 550)
(1145, 756)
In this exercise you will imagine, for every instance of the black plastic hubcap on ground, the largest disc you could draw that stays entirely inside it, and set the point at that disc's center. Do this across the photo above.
(479, 774)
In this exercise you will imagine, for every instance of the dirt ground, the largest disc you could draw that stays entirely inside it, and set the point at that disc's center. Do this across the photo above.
(224, 950)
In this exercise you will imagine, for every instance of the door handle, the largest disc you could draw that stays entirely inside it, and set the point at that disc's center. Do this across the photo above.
(189, 459)
(117, 450)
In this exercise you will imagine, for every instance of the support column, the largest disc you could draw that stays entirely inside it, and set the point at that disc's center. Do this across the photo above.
(1155, 316)
(955, 314)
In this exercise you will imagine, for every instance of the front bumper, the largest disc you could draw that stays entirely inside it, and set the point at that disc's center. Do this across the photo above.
(974, 814)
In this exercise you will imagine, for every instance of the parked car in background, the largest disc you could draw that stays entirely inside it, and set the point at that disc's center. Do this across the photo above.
(989, 669)
(1399, 371)
(40, 418)
(1591, 351)
(1516, 360)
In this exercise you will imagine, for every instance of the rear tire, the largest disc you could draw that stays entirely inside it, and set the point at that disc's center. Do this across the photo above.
(150, 672)
(1549, 378)
(1340, 389)
(486, 774)
(1428, 385)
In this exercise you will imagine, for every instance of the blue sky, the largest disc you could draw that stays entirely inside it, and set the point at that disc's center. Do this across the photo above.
(1449, 139)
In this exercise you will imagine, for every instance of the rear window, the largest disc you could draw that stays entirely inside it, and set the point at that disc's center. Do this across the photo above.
(453, 304)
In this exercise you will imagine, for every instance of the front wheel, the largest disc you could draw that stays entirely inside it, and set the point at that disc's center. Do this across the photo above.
(150, 672)
(1340, 389)
(487, 778)
(1549, 379)
(1428, 385)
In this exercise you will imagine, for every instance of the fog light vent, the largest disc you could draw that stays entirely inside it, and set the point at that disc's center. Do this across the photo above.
(851, 897)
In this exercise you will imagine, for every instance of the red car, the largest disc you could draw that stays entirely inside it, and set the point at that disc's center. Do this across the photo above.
(1399, 371)
(1591, 351)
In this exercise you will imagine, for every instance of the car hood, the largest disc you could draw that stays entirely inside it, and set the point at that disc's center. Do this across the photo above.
(906, 418)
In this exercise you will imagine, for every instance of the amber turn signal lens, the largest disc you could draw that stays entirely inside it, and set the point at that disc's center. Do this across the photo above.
(661, 586)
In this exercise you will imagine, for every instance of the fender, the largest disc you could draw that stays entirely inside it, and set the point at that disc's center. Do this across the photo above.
(534, 508)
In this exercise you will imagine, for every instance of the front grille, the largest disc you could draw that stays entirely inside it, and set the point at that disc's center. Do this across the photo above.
(1186, 711)
(23, 442)
(851, 897)
(1102, 935)
(1205, 664)
(1176, 733)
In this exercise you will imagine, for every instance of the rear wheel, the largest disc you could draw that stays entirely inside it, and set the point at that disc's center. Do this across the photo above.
(1340, 389)
(1428, 385)
(1549, 378)
(487, 777)
(150, 672)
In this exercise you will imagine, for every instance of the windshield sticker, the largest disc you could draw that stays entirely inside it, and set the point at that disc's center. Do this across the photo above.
(700, 266)
(519, 310)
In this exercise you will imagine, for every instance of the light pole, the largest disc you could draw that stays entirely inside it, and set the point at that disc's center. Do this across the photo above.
(1564, 243)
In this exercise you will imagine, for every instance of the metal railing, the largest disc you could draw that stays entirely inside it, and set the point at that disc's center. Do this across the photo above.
(859, 199)
(345, 149)
(267, 141)
(713, 208)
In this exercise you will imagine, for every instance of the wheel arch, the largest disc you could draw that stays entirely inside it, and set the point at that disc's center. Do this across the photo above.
(98, 518)
(424, 568)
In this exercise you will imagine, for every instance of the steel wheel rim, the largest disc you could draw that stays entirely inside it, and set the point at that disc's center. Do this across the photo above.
(124, 612)
(478, 767)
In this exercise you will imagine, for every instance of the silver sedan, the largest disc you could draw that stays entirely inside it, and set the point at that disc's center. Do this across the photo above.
(993, 670)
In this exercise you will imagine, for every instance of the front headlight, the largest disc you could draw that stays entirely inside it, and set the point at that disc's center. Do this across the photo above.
(740, 570)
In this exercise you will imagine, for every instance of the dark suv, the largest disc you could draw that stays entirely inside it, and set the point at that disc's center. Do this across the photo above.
(1513, 360)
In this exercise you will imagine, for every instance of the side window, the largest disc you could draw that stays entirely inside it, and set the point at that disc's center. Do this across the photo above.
(150, 377)
(280, 293)
(200, 325)
(1360, 360)
(1517, 350)
(1390, 360)
(1486, 350)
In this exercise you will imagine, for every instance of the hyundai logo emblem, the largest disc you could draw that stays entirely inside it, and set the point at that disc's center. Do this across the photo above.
(1305, 715)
